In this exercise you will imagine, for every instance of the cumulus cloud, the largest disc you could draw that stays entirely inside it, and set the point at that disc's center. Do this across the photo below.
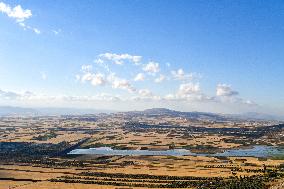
(86, 77)
(181, 75)
(145, 92)
(189, 88)
(190, 92)
(19, 15)
(99, 61)
(86, 68)
(139, 77)
(95, 79)
(152, 67)
(191, 96)
(121, 58)
(186, 91)
(17, 12)
(224, 90)
(122, 84)
(98, 79)
(225, 94)
(160, 79)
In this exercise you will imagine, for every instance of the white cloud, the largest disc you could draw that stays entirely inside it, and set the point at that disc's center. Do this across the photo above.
(225, 94)
(145, 92)
(23, 25)
(160, 79)
(98, 97)
(224, 90)
(111, 101)
(122, 84)
(121, 58)
(37, 31)
(86, 68)
(194, 97)
(170, 97)
(95, 79)
(29, 97)
(249, 102)
(99, 61)
(181, 75)
(17, 12)
(188, 88)
(139, 77)
(98, 79)
(187, 92)
(152, 67)
(106, 96)
(8, 95)
(87, 77)
(26, 27)
(56, 32)
(77, 77)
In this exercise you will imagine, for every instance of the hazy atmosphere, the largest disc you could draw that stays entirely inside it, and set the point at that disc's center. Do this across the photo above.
(224, 56)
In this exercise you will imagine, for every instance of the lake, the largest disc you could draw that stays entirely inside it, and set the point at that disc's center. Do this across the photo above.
(254, 151)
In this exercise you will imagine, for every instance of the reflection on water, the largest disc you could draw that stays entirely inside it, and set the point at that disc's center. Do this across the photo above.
(255, 151)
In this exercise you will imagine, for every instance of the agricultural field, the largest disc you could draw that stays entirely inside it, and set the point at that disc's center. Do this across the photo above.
(35, 151)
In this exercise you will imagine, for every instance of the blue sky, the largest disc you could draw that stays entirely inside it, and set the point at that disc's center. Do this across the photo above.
(224, 56)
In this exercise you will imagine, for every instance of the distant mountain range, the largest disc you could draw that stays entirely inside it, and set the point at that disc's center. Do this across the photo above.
(192, 115)
(9, 110)
(209, 116)
(255, 115)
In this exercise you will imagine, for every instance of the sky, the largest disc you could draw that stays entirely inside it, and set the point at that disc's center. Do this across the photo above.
(214, 56)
